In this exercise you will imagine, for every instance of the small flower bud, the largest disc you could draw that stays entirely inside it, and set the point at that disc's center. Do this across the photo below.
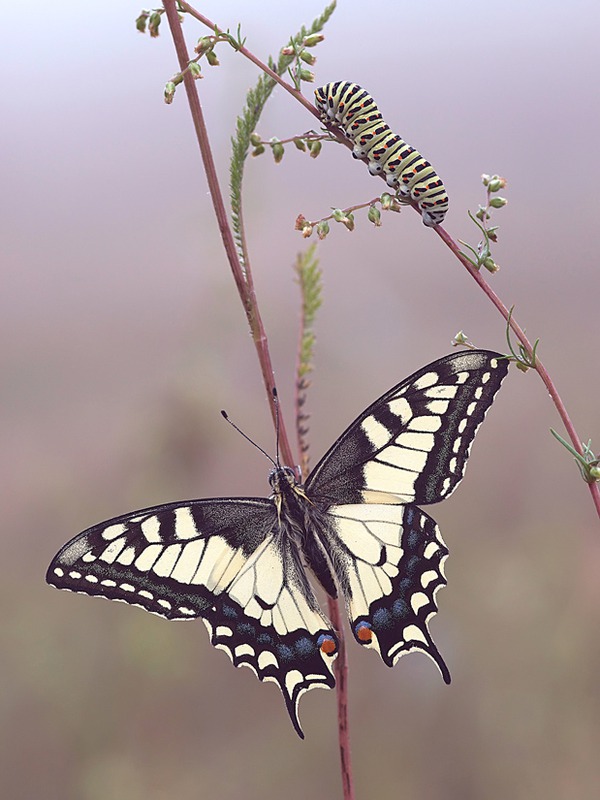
(306, 75)
(595, 473)
(490, 264)
(498, 202)
(141, 21)
(315, 148)
(313, 39)
(277, 149)
(212, 59)
(349, 222)
(169, 92)
(153, 23)
(308, 58)
(322, 229)
(460, 339)
(485, 179)
(300, 143)
(258, 151)
(386, 201)
(307, 231)
(494, 185)
(481, 214)
(492, 235)
(339, 215)
(194, 69)
(374, 216)
(202, 45)
(287, 51)
(522, 366)
(301, 221)
(255, 139)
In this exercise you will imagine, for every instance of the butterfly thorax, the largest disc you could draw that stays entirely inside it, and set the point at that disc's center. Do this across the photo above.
(303, 522)
(290, 501)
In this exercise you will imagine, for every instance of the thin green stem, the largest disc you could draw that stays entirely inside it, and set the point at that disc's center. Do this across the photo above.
(309, 136)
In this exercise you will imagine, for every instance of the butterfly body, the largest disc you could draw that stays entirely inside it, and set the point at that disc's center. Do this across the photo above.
(241, 564)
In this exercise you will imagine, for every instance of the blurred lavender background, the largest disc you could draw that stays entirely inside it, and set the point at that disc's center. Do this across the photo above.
(122, 338)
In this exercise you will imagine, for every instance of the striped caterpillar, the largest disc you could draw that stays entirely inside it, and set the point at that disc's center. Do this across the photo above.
(404, 168)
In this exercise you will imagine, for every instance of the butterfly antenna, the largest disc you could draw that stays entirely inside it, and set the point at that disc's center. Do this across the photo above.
(276, 404)
(248, 439)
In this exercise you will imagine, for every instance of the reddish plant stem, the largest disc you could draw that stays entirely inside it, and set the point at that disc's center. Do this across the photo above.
(246, 291)
(348, 210)
(520, 334)
(341, 674)
(449, 241)
(264, 68)
(242, 281)
(309, 136)
(341, 664)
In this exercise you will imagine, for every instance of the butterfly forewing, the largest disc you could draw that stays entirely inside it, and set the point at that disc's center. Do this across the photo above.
(411, 445)
(220, 560)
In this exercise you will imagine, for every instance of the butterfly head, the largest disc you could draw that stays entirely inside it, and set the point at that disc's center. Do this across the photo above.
(281, 478)
(287, 492)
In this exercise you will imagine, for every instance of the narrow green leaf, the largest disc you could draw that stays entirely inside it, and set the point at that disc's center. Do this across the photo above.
(248, 120)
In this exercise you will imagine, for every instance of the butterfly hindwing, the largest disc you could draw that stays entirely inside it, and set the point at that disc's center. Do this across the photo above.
(411, 445)
(220, 560)
(389, 560)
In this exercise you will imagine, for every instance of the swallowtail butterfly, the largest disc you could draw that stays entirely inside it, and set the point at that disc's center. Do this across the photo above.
(404, 168)
(240, 563)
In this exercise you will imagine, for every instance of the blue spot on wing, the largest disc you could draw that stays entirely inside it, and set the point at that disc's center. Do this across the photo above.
(382, 618)
(305, 646)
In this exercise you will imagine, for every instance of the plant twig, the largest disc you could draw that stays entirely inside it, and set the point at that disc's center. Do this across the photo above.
(263, 67)
(309, 279)
(341, 674)
(245, 289)
(243, 280)
(528, 347)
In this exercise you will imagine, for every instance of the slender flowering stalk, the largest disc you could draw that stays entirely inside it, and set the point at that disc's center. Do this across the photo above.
(244, 283)
(244, 286)
(529, 348)
(296, 94)
(594, 488)
(243, 277)
(309, 279)
(341, 675)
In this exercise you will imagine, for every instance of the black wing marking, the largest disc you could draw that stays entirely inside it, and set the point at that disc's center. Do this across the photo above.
(221, 560)
(412, 445)
(389, 560)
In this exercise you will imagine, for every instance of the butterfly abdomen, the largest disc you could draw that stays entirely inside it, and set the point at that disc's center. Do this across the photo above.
(300, 521)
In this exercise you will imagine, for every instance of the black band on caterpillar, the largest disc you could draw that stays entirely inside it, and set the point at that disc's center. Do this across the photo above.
(404, 168)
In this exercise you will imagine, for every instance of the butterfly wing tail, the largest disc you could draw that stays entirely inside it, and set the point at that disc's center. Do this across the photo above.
(296, 664)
